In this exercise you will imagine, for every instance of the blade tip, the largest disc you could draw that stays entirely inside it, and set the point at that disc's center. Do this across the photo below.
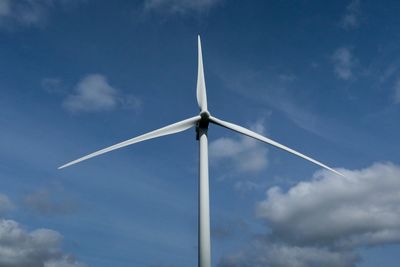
(341, 174)
(338, 173)
(64, 166)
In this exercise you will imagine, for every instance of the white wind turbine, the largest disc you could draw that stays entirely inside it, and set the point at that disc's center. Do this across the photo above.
(201, 122)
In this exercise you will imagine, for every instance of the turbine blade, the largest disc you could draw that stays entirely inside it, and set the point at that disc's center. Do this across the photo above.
(170, 129)
(264, 139)
(201, 84)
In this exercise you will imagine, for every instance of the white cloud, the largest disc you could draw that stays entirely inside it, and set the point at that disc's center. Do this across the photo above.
(344, 63)
(5, 204)
(28, 12)
(94, 93)
(362, 208)
(38, 248)
(244, 153)
(397, 91)
(180, 6)
(351, 18)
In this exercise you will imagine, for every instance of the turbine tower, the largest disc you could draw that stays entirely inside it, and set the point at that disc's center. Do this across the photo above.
(201, 123)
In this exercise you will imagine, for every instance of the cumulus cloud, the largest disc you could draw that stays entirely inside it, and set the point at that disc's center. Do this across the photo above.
(362, 208)
(38, 248)
(94, 93)
(351, 18)
(180, 6)
(5, 204)
(328, 217)
(28, 12)
(344, 63)
(243, 153)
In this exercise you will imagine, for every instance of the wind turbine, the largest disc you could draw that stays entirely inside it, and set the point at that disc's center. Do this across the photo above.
(201, 123)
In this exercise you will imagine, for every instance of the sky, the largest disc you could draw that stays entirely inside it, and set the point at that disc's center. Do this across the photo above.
(322, 77)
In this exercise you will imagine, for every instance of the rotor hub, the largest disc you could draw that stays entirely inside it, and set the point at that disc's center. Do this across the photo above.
(205, 115)
(202, 124)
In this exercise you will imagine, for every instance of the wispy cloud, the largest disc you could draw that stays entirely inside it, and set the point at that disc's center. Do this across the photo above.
(5, 204)
(261, 252)
(397, 91)
(351, 18)
(274, 92)
(229, 229)
(361, 209)
(243, 154)
(53, 85)
(94, 93)
(344, 63)
(46, 201)
(5, 7)
(180, 6)
(28, 12)
(23, 12)
(246, 186)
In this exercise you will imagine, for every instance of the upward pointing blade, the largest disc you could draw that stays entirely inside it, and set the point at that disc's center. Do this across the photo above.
(201, 84)
(170, 129)
(264, 139)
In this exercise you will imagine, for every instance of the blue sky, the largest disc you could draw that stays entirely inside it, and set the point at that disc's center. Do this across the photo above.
(320, 77)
